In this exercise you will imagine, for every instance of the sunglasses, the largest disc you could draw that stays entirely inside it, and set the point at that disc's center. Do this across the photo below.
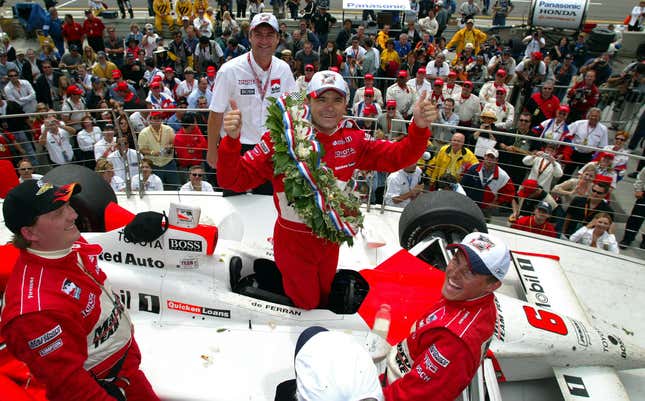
(601, 192)
(197, 175)
(26, 168)
(620, 139)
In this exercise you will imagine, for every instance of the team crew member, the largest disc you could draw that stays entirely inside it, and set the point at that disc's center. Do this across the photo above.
(162, 10)
(445, 348)
(308, 263)
(60, 315)
(250, 81)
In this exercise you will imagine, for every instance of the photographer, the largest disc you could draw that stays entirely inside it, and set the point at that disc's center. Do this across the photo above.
(534, 43)
(583, 96)
(601, 66)
(468, 10)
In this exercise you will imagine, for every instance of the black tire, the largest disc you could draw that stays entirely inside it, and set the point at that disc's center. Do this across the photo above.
(94, 197)
(602, 35)
(441, 213)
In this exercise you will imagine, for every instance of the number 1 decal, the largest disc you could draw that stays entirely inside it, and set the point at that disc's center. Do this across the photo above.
(148, 303)
(545, 320)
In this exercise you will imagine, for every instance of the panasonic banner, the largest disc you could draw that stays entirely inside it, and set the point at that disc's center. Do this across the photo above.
(386, 5)
(565, 14)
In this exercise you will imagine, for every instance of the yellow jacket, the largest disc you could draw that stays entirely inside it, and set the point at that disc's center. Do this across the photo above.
(465, 35)
(381, 38)
(161, 7)
(389, 55)
(184, 8)
(447, 161)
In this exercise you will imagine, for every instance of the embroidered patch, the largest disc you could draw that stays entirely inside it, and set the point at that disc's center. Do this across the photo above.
(71, 289)
(51, 348)
(264, 147)
(45, 338)
(438, 357)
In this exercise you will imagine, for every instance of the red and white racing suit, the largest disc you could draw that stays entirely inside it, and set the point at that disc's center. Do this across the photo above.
(440, 356)
(62, 319)
(308, 263)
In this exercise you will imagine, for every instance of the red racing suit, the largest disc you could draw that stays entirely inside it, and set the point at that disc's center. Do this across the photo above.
(308, 263)
(440, 356)
(62, 319)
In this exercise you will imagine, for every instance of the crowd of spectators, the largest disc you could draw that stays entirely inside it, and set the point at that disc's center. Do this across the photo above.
(485, 90)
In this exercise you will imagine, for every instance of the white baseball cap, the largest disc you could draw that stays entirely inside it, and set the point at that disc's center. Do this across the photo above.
(486, 254)
(333, 366)
(265, 18)
(492, 151)
(325, 80)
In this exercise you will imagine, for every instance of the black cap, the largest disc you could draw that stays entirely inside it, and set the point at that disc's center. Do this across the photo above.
(544, 206)
(33, 198)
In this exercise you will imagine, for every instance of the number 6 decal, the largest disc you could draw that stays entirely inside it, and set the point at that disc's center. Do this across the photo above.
(545, 320)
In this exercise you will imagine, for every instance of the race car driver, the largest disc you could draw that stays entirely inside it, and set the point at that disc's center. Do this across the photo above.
(60, 315)
(308, 263)
(445, 348)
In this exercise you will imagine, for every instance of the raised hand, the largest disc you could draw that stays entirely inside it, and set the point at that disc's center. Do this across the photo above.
(425, 111)
(233, 121)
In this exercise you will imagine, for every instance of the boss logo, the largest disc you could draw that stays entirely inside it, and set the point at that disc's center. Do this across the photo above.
(184, 245)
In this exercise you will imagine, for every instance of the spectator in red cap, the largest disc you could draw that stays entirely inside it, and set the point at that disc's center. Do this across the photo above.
(366, 105)
(529, 194)
(437, 92)
(170, 82)
(369, 83)
(158, 98)
(504, 110)
(467, 106)
(487, 92)
(118, 79)
(211, 73)
(304, 79)
(605, 169)
(420, 84)
(452, 89)
(400, 92)
(75, 104)
(386, 121)
(557, 129)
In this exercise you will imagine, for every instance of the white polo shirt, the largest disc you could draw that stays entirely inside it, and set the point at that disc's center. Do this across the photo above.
(119, 162)
(188, 187)
(585, 135)
(236, 80)
(399, 183)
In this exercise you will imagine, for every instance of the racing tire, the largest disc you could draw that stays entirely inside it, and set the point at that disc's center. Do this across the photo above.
(602, 35)
(94, 197)
(445, 214)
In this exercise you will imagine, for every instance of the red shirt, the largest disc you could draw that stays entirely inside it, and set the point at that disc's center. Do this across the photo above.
(527, 223)
(582, 98)
(442, 353)
(6, 139)
(549, 107)
(8, 178)
(190, 147)
(94, 28)
(73, 31)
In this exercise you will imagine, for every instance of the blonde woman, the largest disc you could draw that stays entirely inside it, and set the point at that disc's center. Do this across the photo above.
(228, 23)
(596, 234)
(579, 186)
(106, 170)
(89, 57)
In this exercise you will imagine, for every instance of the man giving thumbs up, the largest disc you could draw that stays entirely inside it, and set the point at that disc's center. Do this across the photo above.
(307, 262)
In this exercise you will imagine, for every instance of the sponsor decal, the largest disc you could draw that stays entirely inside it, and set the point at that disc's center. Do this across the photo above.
(423, 375)
(482, 243)
(246, 81)
(618, 342)
(30, 290)
(343, 166)
(603, 341)
(438, 314)
(438, 357)
(51, 347)
(188, 245)
(126, 297)
(185, 215)
(342, 141)
(91, 304)
(402, 359)
(429, 365)
(500, 326)
(71, 289)
(45, 338)
(149, 303)
(581, 332)
(189, 264)
(130, 259)
(275, 85)
(559, 9)
(247, 91)
(264, 147)
(198, 310)
(576, 386)
(345, 152)
(461, 321)
(156, 244)
(110, 325)
(532, 283)
(277, 308)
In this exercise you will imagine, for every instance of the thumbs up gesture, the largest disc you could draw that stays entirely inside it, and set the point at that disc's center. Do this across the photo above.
(233, 121)
(425, 111)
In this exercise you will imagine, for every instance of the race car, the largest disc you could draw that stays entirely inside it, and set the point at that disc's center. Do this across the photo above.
(213, 323)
